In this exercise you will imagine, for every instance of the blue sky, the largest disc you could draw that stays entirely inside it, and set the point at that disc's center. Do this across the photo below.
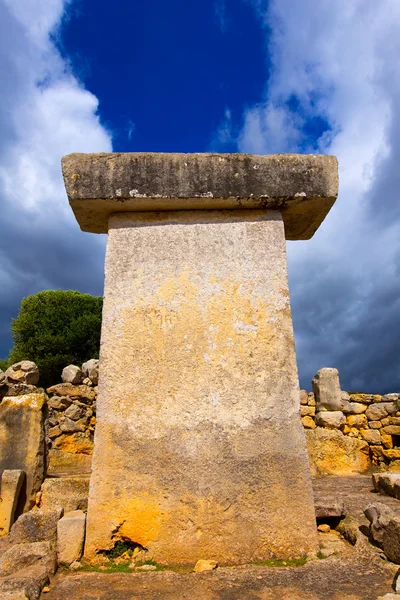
(261, 76)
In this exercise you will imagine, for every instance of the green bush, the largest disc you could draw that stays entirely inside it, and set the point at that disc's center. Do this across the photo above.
(55, 329)
(3, 364)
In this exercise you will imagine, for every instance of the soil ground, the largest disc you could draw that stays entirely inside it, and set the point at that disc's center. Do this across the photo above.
(352, 573)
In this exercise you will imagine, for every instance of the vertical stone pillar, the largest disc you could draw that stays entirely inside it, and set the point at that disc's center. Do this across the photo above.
(199, 448)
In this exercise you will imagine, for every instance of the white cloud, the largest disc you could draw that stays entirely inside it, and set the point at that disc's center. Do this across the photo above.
(339, 61)
(44, 113)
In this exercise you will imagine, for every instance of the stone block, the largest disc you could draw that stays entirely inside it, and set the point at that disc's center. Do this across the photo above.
(326, 388)
(23, 452)
(303, 397)
(25, 584)
(379, 515)
(374, 424)
(371, 436)
(66, 463)
(376, 412)
(37, 525)
(332, 453)
(99, 185)
(331, 420)
(353, 408)
(328, 507)
(20, 556)
(357, 421)
(392, 454)
(391, 430)
(10, 487)
(307, 411)
(69, 492)
(83, 393)
(70, 537)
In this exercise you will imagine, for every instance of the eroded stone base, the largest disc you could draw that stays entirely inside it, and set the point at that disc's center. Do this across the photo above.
(199, 448)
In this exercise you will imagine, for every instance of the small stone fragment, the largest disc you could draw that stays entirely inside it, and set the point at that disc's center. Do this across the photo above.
(324, 528)
(357, 421)
(307, 411)
(308, 422)
(146, 568)
(58, 403)
(205, 565)
(74, 412)
(45, 590)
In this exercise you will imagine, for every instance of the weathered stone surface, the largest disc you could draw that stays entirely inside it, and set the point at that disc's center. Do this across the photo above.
(308, 422)
(24, 371)
(375, 425)
(75, 443)
(59, 403)
(74, 392)
(303, 397)
(10, 486)
(391, 430)
(69, 492)
(357, 421)
(331, 420)
(21, 389)
(37, 525)
(328, 507)
(69, 426)
(353, 408)
(25, 584)
(372, 436)
(72, 374)
(307, 411)
(70, 537)
(183, 425)
(365, 398)
(303, 187)
(376, 412)
(388, 484)
(91, 370)
(25, 452)
(20, 556)
(311, 399)
(379, 515)
(332, 453)
(74, 412)
(67, 463)
(391, 540)
(326, 388)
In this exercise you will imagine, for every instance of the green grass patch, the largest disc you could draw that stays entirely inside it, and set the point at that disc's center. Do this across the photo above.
(289, 562)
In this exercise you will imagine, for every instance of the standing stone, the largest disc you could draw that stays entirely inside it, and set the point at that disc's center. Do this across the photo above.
(199, 450)
(10, 486)
(70, 537)
(22, 442)
(326, 388)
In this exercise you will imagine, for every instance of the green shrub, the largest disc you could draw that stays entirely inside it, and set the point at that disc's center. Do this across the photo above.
(55, 329)
(3, 364)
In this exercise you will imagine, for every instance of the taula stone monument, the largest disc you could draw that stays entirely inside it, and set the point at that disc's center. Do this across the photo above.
(199, 449)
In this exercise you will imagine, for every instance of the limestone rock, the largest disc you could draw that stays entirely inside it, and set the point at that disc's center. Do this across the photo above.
(59, 403)
(376, 412)
(21, 389)
(379, 515)
(91, 370)
(69, 426)
(357, 421)
(25, 584)
(353, 408)
(308, 422)
(332, 420)
(326, 388)
(391, 407)
(375, 425)
(307, 411)
(323, 528)
(10, 487)
(205, 565)
(387, 430)
(67, 463)
(75, 443)
(24, 371)
(74, 412)
(371, 436)
(328, 507)
(69, 492)
(332, 453)
(23, 414)
(38, 525)
(74, 392)
(70, 537)
(388, 484)
(391, 540)
(350, 530)
(20, 556)
(72, 374)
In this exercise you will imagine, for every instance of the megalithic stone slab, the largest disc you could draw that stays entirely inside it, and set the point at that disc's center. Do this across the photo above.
(10, 487)
(22, 442)
(199, 448)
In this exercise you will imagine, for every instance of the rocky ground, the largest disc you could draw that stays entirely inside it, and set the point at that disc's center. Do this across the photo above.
(347, 572)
